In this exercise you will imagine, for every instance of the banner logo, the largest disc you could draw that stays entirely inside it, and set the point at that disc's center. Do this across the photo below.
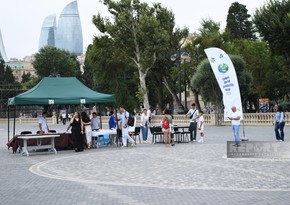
(223, 68)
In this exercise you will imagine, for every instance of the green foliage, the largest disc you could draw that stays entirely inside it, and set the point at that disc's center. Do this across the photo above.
(238, 24)
(26, 77)
(6, 75)
(140, 32)
(51, 60)
(107, 71)
(273, 23)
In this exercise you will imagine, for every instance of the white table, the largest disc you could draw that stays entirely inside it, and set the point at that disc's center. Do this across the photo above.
(96, 134)
(51, 147)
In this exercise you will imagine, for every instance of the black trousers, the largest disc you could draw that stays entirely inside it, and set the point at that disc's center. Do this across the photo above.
(193, 130)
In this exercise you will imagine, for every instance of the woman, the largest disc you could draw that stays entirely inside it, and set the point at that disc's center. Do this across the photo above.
(279, 124)
(77, 132)
(166, 126)
(87, 127)
(144, 125)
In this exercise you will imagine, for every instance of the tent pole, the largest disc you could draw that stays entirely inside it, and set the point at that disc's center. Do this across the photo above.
(14, 120)
(101, 123)
(8, 123)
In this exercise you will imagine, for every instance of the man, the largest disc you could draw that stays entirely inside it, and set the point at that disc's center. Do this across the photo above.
(235, 118)
(95, 122)
(42, 123)
(193, 115)
(63, 116)
(125, 127)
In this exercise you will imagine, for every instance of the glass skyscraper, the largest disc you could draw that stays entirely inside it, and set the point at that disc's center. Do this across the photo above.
(2, 49)
(67, 34)
(48, 31)
(69, 31)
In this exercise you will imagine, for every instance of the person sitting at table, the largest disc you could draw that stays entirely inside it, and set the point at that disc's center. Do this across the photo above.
(42, 123)
(77, 132)
(95, 122)
(87, 128)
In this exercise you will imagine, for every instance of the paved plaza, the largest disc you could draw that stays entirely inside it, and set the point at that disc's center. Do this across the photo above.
(189, 173)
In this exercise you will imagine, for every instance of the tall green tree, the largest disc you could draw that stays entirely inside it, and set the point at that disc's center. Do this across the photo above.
(9, 77)
(239, 26)
(51, 61)
(273, 23)
(139, 31)
(106, 71)
(26, 77)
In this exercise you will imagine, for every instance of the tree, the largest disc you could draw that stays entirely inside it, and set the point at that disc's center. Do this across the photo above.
(272, 21)
(9, 77)
(26, 77)
(238, 23)
(106, 71)
(139, 31)
(51, 61)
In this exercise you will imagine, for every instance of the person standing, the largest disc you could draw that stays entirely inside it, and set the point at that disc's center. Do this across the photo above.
(149, 115)
(279, 124)
(201, 127)
(113, 120)
(77, 132)
(63, 117)
(144, 125)
(236, 119)
(193, 116)
(42, 123)
(87, 128)
(125, 127)
(167, 126)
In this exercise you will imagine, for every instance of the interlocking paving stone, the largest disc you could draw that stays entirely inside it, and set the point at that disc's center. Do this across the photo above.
(146, 174)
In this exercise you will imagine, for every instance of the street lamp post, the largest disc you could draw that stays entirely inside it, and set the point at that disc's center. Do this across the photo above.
(177, 57)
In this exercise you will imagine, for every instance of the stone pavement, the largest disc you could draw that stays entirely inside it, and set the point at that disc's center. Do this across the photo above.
(146, 174)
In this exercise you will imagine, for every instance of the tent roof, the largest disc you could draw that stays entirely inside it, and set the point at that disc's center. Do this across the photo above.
(60, 91)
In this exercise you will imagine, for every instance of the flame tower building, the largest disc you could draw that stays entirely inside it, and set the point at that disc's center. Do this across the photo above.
(69, 30)
(2, 50)
(67, 34)
(48, 31)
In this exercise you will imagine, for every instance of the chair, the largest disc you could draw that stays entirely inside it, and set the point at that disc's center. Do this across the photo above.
(156, 133)
(137, 133)
(25, 132)
(177, 134)
(184, 135)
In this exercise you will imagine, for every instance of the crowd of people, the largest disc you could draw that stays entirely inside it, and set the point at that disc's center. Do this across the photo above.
(121, 121)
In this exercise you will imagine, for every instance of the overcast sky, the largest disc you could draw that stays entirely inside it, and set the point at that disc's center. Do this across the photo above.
(21, 20)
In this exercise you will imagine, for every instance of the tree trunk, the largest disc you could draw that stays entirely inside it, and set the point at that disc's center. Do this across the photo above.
(174, 96)
(143, 89)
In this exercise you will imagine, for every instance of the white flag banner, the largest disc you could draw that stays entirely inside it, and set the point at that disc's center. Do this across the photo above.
(226, 76)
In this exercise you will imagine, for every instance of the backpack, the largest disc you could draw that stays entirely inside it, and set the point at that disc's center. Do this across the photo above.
(131, 121)
(165, 123)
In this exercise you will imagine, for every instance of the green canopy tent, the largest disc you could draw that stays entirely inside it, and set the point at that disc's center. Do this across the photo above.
(58, 91)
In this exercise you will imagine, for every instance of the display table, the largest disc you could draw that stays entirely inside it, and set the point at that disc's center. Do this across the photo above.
(39, 146)
(63, 142)
(96, 136)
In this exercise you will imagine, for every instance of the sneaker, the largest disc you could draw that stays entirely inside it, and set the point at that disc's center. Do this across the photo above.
(173, 145)
(123, 146)
(200, 141)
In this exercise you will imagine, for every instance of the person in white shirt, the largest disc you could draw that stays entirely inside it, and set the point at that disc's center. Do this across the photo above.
(149, 115)
(63, 116)
(236, 118)
(193, 116)
(125, 127)
(144, 125)
(201, 127)
(279, 124)
(42, 123)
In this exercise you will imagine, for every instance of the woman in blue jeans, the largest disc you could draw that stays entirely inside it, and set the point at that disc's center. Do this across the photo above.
(144, 125)
(279, 124)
